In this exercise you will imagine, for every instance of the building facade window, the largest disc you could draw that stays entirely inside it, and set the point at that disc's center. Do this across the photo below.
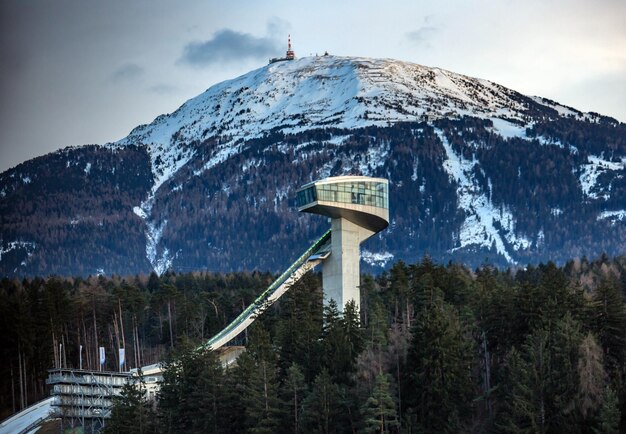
(355, 192)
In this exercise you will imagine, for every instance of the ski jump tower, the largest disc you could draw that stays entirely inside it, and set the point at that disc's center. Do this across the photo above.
(358, 207)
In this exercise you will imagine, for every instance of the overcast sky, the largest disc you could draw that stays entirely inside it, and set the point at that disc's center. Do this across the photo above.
(88, 71)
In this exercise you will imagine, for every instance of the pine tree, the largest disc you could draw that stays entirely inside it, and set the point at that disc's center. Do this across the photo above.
(518, 412)
(373, 359)
(189, 398)
(379, 411)
(336, 352)
(206, 393)
(541, 385)
(131, 411)
(299, 327)
(563, 381)
(591, 376)
(399, 290)
(440, 357)
(397, 354)
(609, 418)
(323, 406)
(236, 383)
(263, 408)
(608, 319)
(293, 392)
(376, 333)
(352, 330)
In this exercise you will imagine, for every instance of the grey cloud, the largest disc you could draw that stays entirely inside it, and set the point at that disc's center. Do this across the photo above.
(127, 72)
(163, 89)
(228, 46)
(422, 35)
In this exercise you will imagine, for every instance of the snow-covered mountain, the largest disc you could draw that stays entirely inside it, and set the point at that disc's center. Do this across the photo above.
(316, 92)
(478, 173)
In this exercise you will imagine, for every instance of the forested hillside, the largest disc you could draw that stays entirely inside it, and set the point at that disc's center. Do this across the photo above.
(436, 349)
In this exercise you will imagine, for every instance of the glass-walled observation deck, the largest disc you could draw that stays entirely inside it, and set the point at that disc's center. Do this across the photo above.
(361, 199)
(371, 193)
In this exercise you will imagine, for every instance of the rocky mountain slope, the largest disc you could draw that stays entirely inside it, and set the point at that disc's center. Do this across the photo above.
(479, 173)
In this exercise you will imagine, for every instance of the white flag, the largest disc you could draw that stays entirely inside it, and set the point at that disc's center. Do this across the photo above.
(122, 357)
(102, 357)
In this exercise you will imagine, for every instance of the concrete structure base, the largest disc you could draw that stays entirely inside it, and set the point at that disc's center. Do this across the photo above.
(341, 270)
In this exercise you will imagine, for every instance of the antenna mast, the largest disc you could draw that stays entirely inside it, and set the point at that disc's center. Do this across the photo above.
(290, 54)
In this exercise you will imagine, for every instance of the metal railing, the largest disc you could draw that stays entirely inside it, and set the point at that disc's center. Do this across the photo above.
(261, 299)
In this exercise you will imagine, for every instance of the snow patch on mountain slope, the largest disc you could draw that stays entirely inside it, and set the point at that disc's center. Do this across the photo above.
(508, 129)
(165, 162)
(140, 212)
(485, 225)
(375, 157)
(554, 142)
(560, 109)
(415, 164)
(252, 162)
(376, 259)
(223, 154)
(324, 171)
(338, 140)
(27, 246)
(300, 148)
(160, 262)
(590, 172)
(612, 216)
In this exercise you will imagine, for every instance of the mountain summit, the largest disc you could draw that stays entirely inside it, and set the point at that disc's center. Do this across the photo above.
(341, 92)
(478, 172)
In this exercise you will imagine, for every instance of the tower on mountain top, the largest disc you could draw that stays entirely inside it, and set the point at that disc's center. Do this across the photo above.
(290, 54)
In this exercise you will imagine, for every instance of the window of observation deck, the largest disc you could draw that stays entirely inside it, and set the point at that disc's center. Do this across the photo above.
(356, 192)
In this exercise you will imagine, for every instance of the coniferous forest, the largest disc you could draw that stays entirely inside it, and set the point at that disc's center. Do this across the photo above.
(435, 348)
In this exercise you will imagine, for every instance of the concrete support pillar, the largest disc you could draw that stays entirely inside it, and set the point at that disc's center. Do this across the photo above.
(341, 271)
